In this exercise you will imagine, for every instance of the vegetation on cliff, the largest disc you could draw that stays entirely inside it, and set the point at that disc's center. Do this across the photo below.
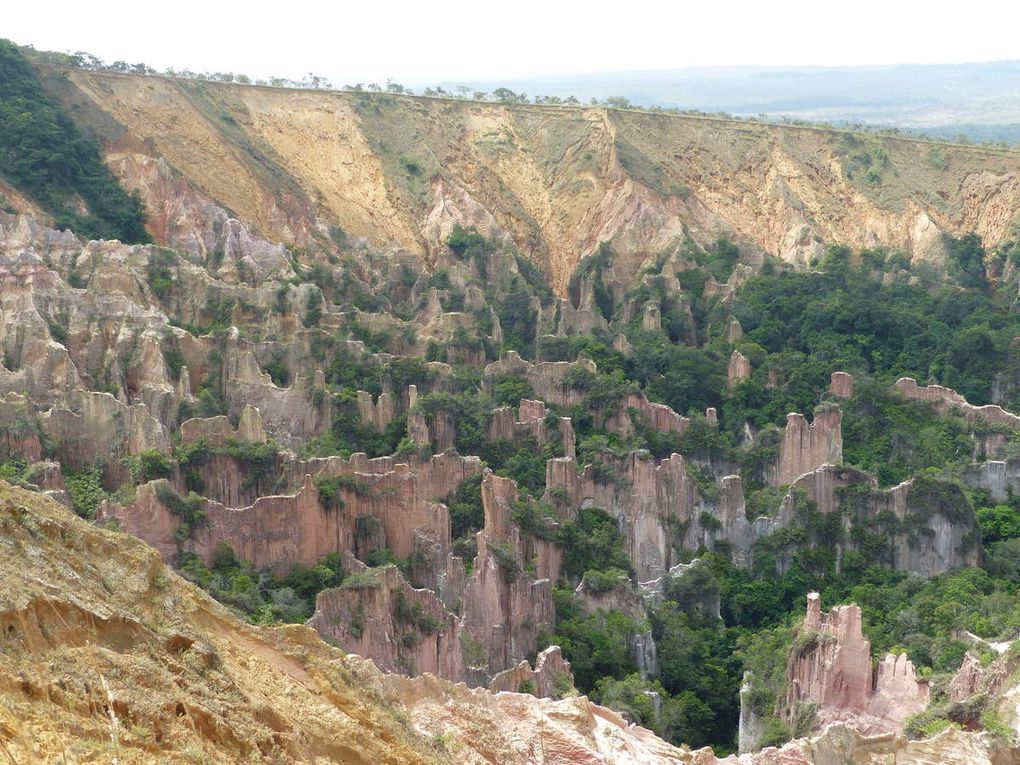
(44, 154)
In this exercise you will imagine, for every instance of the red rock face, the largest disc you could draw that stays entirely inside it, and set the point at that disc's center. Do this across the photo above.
(400, 628)
(834, 670)
(504, 608)
(278, 531)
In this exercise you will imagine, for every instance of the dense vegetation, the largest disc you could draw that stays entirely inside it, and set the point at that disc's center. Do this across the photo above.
(44, 154)
(260, 595)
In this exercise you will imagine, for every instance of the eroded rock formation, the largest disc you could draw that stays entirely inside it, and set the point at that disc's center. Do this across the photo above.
(947, 399)
(805, 448)
(831, 668)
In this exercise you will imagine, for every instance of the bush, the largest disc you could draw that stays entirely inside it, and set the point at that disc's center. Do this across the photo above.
(190, 510)
(591, 541)
(505, 559)
(86, 489)
(153, 464)
(260, 461)
(159, 273)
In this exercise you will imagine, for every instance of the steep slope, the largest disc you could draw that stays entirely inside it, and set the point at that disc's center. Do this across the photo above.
(107, 653)
(295, 165)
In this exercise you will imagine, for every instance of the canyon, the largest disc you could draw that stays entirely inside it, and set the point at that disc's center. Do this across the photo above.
(380, 341)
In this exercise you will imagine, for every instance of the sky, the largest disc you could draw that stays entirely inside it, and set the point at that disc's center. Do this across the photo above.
(418, 43)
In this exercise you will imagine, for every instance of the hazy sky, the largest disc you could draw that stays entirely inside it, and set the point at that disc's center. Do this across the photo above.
(423, 42)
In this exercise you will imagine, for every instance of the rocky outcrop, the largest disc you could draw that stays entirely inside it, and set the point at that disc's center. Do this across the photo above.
(841, 385)
(927, 526)
(547, 378)
(532, 421)
(378, 414)
(844, 744)
(739, 369)
(805, 448)
(85, 656)
(658, 417)
(660, 508)
(377, 614)
(551, 678)
(99, 428)
(288, 414)
(505, 607)
(947, 399)
(216, 431)
(831, 667)
(19, 429)
(782, 190)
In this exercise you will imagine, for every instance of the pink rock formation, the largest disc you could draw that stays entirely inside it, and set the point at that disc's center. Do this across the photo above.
(657, 416)
(19, 431)
(968, 679)
(550, 679)
(739, 369)
(216, 431)
(504, 608)
(945, 399)
(279, 531)
(531, 421)
(733, 330)
(841, 384)
(833, 670)
(378, 413)
(807, 447)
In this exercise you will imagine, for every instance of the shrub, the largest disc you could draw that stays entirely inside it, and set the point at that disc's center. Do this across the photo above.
(86, 489)
(190, 510)
(159, 274)
(153, 464)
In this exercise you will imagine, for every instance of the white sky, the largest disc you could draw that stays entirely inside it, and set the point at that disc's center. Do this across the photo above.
(422, 42)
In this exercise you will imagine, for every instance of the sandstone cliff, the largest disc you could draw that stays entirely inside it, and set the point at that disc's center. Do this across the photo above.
(288, 165)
